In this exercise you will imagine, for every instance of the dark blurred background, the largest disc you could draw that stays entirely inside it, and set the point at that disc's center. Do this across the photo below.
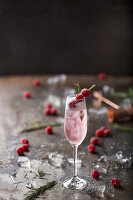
(66, 36)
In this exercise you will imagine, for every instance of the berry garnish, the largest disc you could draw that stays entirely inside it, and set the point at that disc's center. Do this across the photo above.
(72, 104)
(107, 132)
(26, 94)
(102, 128)
(20, 151)
(48, 129)
(79, 96)
(86, 92)
(47, 111)
(115, 182)
(25, 141)
(95, 173)
(102, 76)
(25, 147)
(48, 105)
(91, 148)
(99, 133)
(94, 140)
(36, 82)
(53, 111)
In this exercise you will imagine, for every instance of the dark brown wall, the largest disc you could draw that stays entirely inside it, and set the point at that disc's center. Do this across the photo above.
(66, 36)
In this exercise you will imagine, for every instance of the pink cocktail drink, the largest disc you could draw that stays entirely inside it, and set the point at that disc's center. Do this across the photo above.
(75, 127)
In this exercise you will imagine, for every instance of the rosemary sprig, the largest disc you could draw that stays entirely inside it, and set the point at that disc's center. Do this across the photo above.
(41, 173)
(129, 94)
(77, 87)
(123, 128)
(36, 192)
(39, 127)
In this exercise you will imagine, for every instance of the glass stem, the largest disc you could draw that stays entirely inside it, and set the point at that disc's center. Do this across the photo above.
(75, 160)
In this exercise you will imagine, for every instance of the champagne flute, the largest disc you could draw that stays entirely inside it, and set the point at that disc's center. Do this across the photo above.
(75, 128)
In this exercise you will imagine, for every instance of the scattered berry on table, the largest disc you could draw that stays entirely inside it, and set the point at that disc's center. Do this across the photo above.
(26, 94)
(79, 96)
(25, 147)
(20, 151)
(72, 104)
(48, 105)
(107, 132)
(86, 92)
(91, 148)
(94, 140)
(47, 111)
(99, 133)
(48, 129)
(36, 82)
(102, 128)
(53, 111)
(95, 173)
(115, 182)
(25, 141)
(102, 76)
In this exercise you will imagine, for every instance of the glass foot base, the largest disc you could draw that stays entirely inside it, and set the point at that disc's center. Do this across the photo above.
(75, 183)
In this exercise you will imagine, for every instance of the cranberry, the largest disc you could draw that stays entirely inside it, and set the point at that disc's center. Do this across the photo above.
(72, 104)
(94, 140)
(20, 151)
(26, 94)
(102, 76)
(25, 141)
(48, 105)
(86, 92)
(91, 148)
(102, 128)
(53, 111)
(48, 129)
(115, 182)
(25, 147)
(95, 173)
(36, 82)
(107, 132)
(99, 133)
(79, 96)
(47, 111)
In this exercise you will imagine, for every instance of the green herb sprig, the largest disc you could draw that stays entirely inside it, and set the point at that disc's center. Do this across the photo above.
(128, 94)
(41, 173)
(39, 191)
(39, 127)
(77, 87)
(123, 128)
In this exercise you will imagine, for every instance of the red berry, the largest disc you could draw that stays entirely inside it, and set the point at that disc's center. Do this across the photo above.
(36, 82)
(102, 128)
(25, 147)
(48, 105)
(72, 104)
(107, 132)
(95, 173)
(115, 182)
(102, 76)
(86, 92)
(53, 111)
(79, 96)
(94, 140)
(26, 94)
(47, 111)
(99, 133)
(91, 148)
(20, 151)
(48, 129)
(25, 141)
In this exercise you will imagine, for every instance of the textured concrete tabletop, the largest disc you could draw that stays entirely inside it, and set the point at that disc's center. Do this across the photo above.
(17, 113)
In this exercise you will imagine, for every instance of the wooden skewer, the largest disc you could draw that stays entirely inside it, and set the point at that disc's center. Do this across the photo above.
(98, 95)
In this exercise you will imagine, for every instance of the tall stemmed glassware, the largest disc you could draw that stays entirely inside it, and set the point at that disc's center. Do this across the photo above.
(75, 128)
